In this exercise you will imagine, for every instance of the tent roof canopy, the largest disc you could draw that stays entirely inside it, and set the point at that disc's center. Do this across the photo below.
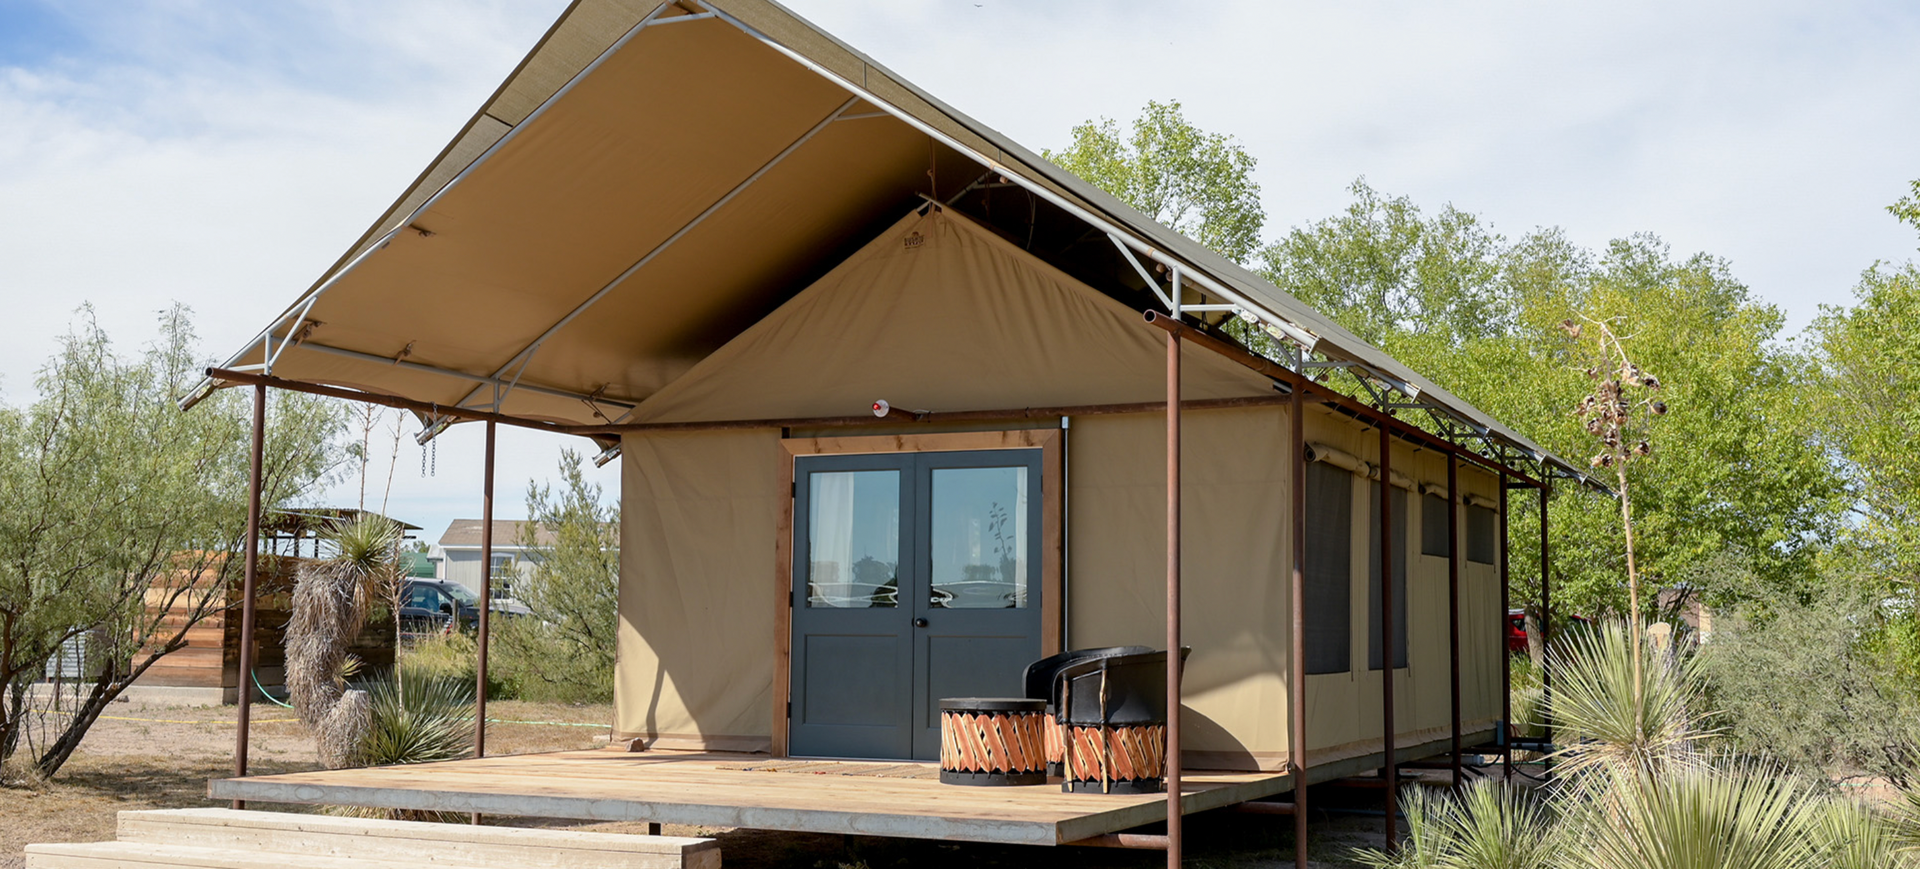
(654, 179)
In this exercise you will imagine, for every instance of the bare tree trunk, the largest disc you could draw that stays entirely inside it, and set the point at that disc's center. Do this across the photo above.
(1536, 641)
(106, 689)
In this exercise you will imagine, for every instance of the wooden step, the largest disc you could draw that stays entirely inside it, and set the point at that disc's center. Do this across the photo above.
(415, 843)
(148, 855)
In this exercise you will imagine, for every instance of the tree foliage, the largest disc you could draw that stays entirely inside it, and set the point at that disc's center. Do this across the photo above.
(1481, 315)
(566, 650)
(121, 519)
(1868, 412)
(1198, 183)
(1739, 504)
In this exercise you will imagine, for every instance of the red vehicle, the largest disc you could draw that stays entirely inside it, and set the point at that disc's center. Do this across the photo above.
(1517, 628)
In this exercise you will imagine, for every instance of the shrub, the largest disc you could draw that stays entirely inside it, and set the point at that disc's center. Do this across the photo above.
(538, 662)
(455, 657)
(1817, 688)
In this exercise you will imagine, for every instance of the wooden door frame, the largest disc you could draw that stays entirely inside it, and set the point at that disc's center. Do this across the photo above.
(1052, 475)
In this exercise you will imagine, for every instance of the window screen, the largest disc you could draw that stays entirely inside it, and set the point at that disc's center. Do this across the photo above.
(1481, 530)
(1399, 578)
(1329, 589)
(1434, 539)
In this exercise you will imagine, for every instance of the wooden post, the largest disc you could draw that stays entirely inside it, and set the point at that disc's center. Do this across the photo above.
(1297, 703)
(243, 693)
(1174, 820)
(1453, 605)
(1390, 771)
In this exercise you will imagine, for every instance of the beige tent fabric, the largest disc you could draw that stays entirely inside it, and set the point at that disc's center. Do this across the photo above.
(699, 513)
(960, 320)
(963, 321)
(1236, 563)
(699, 588)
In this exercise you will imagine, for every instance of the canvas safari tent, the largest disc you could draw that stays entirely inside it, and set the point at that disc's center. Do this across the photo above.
(714, 239)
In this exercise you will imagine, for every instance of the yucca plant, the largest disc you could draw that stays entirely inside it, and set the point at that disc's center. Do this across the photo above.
(1904, 825)
(1701, 817)
(1622, 709)
(1854, 836)
(330, 601)
(1488, 825)
(418, 720)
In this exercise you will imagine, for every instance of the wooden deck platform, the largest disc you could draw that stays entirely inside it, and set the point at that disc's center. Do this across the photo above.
(751, 791)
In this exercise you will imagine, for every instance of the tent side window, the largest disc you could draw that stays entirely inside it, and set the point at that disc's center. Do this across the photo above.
(1481, 545)
(1400, 536)
(1433, 527)
(1329, 569)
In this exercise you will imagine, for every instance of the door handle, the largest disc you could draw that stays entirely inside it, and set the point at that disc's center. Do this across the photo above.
(919, 623)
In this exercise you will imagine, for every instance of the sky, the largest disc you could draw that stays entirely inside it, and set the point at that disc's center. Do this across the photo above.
(223, 154)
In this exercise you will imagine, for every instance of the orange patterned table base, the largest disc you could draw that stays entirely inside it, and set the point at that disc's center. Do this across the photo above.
(1116, 759)
(1054, 734)
(992, 747)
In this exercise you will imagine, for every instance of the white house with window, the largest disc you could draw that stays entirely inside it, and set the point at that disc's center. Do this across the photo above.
(456, 556)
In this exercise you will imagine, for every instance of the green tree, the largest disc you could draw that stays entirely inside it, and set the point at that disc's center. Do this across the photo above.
(1868, 408)
(574, 591)
(1736, 485)
(1198, 183)
(121, 519)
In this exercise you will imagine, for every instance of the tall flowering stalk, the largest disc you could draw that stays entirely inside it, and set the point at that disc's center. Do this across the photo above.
(1618, 413)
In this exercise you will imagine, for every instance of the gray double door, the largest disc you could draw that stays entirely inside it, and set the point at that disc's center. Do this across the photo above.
(916, 577)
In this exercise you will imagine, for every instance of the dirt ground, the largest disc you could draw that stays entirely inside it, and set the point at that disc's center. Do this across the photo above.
(145, 756)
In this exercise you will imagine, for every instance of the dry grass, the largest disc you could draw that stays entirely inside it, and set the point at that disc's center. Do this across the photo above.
(161, 757)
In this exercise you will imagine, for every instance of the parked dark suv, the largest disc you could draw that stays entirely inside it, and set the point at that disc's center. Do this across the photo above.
(427, 604)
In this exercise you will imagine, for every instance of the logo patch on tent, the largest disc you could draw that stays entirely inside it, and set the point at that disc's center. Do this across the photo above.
(914, 240)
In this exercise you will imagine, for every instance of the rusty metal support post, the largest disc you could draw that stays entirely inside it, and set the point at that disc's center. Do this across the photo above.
(1546, 614)
(1390, 772)
(1297, 704)
(486, 605)
(243, 688)
(1453, 605)
(486, 600)
(1174, 819)
(1506, 668)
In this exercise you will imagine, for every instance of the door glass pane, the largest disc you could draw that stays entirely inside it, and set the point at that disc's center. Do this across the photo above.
(979, 527)
(853, 539)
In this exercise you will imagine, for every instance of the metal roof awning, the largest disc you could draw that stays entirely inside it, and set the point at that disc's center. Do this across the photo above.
(653, 179)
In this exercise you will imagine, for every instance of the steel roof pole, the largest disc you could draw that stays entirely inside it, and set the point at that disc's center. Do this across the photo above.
(243, 683)
(1506, 670)
(1453, 604)
(1174, 819)
(486, 603)
(1390, 772)
(1297, 703)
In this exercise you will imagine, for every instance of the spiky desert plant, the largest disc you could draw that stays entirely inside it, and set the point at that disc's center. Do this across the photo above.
(1622, 710)
(419, 720)
(1427, 830)
(1854, 836)
(1488, 825)
(1904, 826)
(329, 607)
(1704, 817)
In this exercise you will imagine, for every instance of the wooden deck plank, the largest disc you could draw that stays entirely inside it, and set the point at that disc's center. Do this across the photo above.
(713, 790)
